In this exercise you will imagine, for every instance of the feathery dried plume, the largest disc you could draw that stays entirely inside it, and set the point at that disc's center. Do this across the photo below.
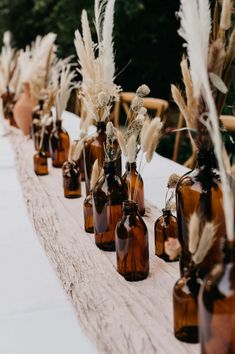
(77, 151)
(71, 151)
(179, 100)
(137, 104)
(131, 149)
(143, 91)
(66, 87)
(172, 248)
(7, 62)
(103, 99)
(153, 144)
(193, 231)
(122, 142)
(206, 242)
(95, 175)
(147, 136)
(110, 131)
(190, 16)
(173, 180)
(225, 20)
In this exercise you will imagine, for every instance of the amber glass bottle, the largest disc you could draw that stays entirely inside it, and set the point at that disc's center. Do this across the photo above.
(88, 214)
(185, 306)
(108, 195)
(80, 164)
(71, 180)
(217, 306)
(59, 145)
(94, 149)
(8, 99)
(40, 163)
(200, 191)
(132, 246)
(37, 114)
(165, 227)
(135, 186)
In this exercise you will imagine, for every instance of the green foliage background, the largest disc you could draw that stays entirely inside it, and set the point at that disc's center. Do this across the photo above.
(145, 35)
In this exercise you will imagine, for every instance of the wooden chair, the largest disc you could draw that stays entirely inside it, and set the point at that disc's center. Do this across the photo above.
(159, 106)
(228, 122)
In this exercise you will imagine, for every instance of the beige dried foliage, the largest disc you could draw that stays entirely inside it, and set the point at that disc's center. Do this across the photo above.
(173, 180)
(78, 150)
(152, 146)
(131, 149)
(95, 175)
(206, 242)
(180, 101)
(122, 142)
(187, 82)
(172, 248)
(193, 230)
(226, 14)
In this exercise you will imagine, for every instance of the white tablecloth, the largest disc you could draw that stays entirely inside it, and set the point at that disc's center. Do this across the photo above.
(35, 314)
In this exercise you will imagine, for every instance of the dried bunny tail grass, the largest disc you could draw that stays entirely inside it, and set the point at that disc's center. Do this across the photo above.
(206, 242)
(152, 146)
(77, 151)
(143, 132)
(153, 127)
(173, 180)
(172, 248)
(179, 100)
(122, 142)
(226, 14)
(95, 175)
(193, 230)
(131, 149)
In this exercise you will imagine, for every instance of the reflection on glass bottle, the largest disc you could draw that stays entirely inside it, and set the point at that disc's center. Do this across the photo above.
(59, 145)
(200, 191)
(217, 306)
(135, 186)
(132, 247)
(108, 195)
(185, 305)
(71, 180)
(88, 214)
(40, 163)
(165, 227)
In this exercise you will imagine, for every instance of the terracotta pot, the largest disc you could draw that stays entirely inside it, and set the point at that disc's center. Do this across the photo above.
(23, 109)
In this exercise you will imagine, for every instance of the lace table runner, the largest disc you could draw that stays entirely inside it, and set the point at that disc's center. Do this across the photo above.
(120, 317)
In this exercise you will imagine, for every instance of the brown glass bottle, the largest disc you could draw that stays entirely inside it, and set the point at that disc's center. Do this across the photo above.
(71, 180)
(40, 163)
(88, 214)
(132, 248)
(200, 191)
(108, 196)
(165, 227)
(37, 114)
(135, 186)
(185, 306)
(94, 149)
(45, 144)
(59, 145)
(8, 99)
(217, 306)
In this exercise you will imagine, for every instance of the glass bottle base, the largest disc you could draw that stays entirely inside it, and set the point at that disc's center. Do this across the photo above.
(89, 230)
(134, 276)
(188, 334)
(108, 246)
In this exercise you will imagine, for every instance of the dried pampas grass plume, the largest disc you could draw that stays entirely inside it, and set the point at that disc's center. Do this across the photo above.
(153, 143)
(225, 21)
(122, 142)
(206, 242)
(193, 230)
(95, 175)
(131, 149)
(78, 150)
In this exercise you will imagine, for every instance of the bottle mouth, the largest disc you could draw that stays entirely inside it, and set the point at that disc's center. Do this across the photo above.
(101, 125)
(130, 206)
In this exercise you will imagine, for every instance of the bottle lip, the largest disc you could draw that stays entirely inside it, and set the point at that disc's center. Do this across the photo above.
(109, 166)
(130, 205)
(130, 164)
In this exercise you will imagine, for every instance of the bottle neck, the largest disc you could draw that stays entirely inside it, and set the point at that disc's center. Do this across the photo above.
(228, 248)
(58, 124)
(110, 168)
(206, 158)
(166, 212)
(131, 166)
(101, 127)
(130, 207)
